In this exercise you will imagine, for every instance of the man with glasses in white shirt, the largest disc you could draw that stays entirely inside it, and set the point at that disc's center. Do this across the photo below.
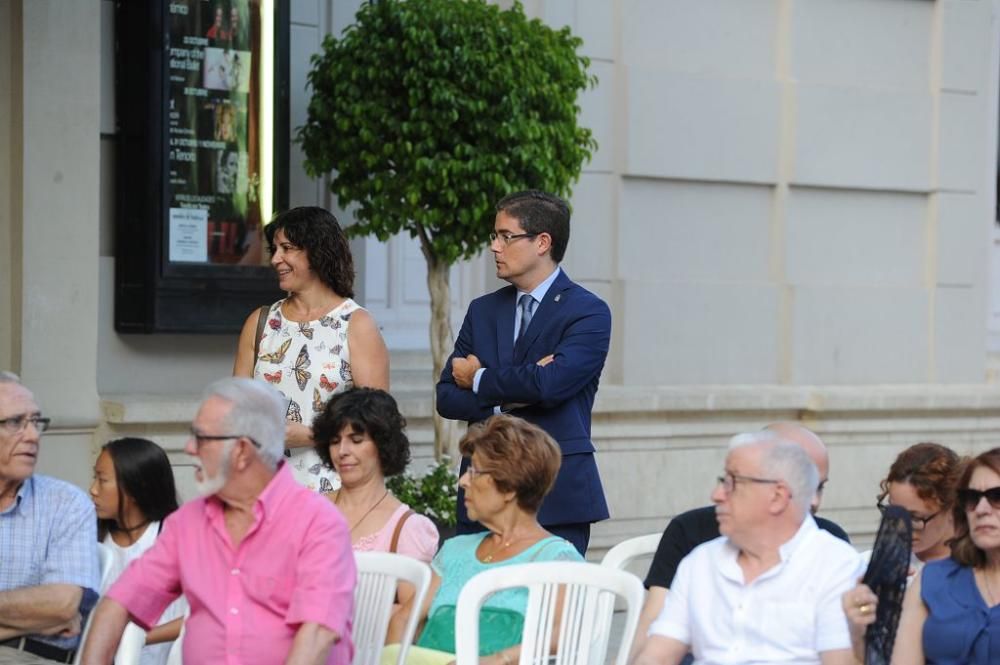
(48, 539)
(768, 589)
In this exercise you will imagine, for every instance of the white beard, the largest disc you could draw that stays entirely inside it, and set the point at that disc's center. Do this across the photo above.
(210, 485)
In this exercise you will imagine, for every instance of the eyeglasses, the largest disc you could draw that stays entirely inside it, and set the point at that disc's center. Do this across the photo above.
(475, 473)
(507, 238)
(822, 486)
(917, 521)
(970, 498)
(17, 424)
(200, 439)
(729, 481)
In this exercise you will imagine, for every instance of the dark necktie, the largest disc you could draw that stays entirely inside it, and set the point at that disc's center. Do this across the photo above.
(527, 305)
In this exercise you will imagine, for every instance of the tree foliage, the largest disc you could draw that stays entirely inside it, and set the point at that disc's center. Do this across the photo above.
(429, 111)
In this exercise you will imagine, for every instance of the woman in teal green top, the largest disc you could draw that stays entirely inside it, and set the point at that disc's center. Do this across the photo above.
(513, 466)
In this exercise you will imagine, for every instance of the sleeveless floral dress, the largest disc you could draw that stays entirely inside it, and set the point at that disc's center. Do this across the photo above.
(308, 362)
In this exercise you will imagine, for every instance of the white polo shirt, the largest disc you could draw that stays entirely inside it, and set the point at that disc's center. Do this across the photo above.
(790, 614)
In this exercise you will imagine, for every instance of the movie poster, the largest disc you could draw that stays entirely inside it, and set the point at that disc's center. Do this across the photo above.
(213, 132)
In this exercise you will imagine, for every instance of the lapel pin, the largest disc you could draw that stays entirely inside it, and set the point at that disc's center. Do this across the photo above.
(558, 296)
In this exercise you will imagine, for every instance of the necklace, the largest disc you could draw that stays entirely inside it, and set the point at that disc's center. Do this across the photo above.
(502, 546)
(368, 512)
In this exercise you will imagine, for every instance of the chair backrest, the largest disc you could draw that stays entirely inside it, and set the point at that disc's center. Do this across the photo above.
(379, 574)
(104, 561)
(619, 556)
(130, 647)
(580, 637)
(622, 555)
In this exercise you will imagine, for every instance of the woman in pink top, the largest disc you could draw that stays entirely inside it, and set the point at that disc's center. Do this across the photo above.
(360, 435)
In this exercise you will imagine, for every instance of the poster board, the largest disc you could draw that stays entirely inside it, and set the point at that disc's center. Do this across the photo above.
(202, 100)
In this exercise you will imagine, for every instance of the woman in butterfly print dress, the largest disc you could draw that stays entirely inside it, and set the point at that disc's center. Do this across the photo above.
(317, 341)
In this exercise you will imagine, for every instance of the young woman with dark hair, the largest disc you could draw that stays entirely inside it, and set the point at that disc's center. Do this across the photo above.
(133, 492)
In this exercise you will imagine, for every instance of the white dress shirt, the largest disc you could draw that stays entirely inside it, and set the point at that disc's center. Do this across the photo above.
(790, 614)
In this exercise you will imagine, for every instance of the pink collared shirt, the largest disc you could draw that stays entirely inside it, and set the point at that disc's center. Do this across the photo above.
(294, 566)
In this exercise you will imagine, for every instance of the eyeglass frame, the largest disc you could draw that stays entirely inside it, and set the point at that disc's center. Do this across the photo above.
(508, 238)
(19, 423)
(914, 519)
(199, 438)
(475, 473)
(980, 495)
(730, 486)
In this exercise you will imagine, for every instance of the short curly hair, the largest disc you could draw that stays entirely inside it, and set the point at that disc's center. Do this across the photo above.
(520, 457)
(366, 411)
(932, 470)
(317, 232)
(963, 549)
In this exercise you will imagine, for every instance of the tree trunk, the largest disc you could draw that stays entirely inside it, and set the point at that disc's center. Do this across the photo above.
(442, 343)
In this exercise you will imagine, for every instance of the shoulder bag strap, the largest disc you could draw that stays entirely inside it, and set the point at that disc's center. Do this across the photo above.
(396, 532)
(261, 320)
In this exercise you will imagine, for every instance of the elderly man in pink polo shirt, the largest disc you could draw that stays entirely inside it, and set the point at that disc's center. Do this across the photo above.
(265, 564)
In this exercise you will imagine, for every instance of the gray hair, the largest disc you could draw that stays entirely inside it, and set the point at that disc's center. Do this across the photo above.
(258, 412)
(9, 377)
(786, 461)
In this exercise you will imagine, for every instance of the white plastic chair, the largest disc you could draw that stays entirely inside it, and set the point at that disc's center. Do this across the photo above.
(104, 560)
(588, 600)
(130, 647)
(379, 574)
(622, 554)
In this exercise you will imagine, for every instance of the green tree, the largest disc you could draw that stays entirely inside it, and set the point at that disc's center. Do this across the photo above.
(428, 112)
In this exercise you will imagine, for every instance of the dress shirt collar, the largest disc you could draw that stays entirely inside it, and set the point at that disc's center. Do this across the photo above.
(538, 293)
(786, 551)
(267, 501)
(24, 494)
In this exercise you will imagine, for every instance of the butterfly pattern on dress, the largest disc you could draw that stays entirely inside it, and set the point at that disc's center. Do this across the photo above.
(294, 413)
(301, 363)
(278, 356)
(308, 362)
(330, 322)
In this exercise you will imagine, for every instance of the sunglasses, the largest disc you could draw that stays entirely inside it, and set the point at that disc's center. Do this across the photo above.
(970, 498)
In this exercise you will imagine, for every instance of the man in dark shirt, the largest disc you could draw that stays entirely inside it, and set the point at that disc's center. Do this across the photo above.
(694, 527)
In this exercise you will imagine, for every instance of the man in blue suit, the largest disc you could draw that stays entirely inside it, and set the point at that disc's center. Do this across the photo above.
(535, 349)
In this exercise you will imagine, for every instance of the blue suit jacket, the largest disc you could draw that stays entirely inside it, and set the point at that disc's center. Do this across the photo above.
(575, 326)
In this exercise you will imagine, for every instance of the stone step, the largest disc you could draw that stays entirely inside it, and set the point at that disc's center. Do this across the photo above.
(411, 371)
